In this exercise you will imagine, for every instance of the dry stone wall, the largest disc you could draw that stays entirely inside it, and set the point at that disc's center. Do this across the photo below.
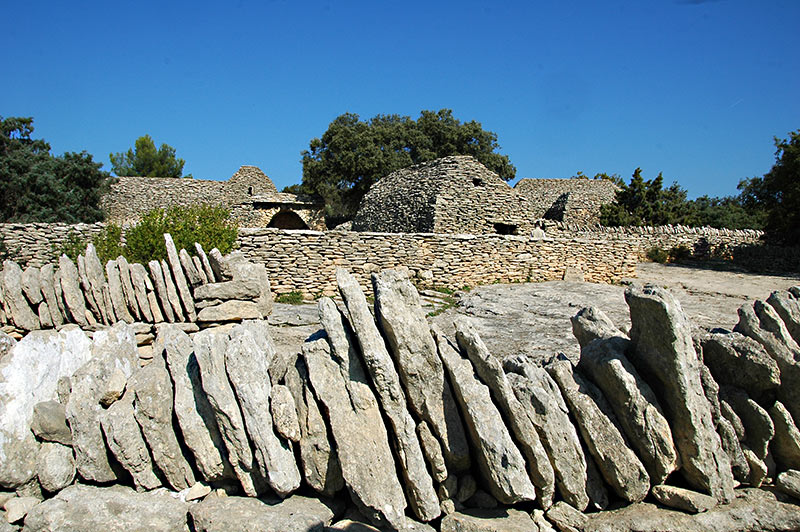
(36, 244)
(575, 201)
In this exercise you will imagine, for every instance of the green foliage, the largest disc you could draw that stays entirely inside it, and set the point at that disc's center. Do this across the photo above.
(679, 253)
(352, 154)
(206, 224)
(108, 243)
(74, 244)
(40, 187)
(292, 298)
(145, 160)
(777, 193)
(657, 254)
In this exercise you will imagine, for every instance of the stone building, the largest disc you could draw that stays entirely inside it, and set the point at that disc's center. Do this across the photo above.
(573, 201)
(454, 194)
(249, 194)
(459, 195)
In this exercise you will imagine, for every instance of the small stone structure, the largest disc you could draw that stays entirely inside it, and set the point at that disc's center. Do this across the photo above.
(573, 201)
(250, 195)
(384, 420)
(459, 195)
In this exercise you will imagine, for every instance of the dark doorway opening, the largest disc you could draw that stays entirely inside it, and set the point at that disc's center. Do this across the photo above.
(287, 220)
(505, 229)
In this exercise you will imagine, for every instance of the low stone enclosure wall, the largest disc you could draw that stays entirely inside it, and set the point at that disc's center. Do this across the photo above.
(305, 261)
(383, 420)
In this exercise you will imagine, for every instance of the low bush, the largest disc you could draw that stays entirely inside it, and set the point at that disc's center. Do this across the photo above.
(679, 253)
(108, 243)
(657, 254)
(74, 244)
(292, 298)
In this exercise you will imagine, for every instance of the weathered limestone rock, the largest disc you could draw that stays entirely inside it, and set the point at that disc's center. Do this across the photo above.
(111, 348)
(240, 514)
(172, 292)
(664, 354)
(91, 305)
(219, 266)
(31, 285)
(729, 414)
(29, 375)
(592, 323)
(188, 267)
(196, 492)
(247, 358)
(46, 280)
(490, 370)
(737, 360)
(419, 484)
(488, 520)
(786, 443)
(114, 386)
(152, 407)
(198, 266)
(499, 460)
(433, 452)
(43, 312)
(55, 466)
(204, 261)
(566, 517)
(730, 443)
(402, 320)
(788, 308)
(49, 422)
(115, 291)
(139, 280)
(161, 290)
(81, 507)
(239, 289)
(321, 468)
(284, 414)
(618, 464)
(62, 306)
(789, 483)
(595, 485)
(125, 440)
(545, 406)
(97, 282)
(18, 507)
(127, 287)
(758, 427)
(180, 278)
(760, 322)
(231, 310)
(634, 403)
(244, 270)
(194, 412)
(683, 499)
(356, 422)
(209, 349)
(758, 469)
(16, 303)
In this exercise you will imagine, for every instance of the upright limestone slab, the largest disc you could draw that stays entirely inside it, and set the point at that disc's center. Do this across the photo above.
(195, 415)
(499, 460)
(115, 291)
(161, 289)
(16, 303)
(206, 264)
(112, 349)
(97, 281)
(664, 354)
(618, 464)
(172, 292)
(47, 279)
(419, 483)
(127, 287)
(403, 322)
(138, 279)
(180, 278)
(209, 348)
(548, 412)
(356, 423)
(86, 287)
(490, 370)
(247, 361)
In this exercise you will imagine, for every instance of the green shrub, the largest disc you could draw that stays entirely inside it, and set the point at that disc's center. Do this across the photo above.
(108, 243)
(679, 253)
(74, 244)
(293, 298)
(206, 224)
(657, 254)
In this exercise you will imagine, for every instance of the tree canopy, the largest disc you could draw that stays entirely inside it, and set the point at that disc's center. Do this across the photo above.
(40, 187)
(145, 160)
(647, 202)
(777, 193)
(352, 154)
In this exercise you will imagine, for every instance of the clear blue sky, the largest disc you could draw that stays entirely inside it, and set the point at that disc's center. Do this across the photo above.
(694, 89)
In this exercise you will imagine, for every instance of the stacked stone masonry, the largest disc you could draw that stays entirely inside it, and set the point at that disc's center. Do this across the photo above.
(573, 201)
(382, 420)
(249, 194)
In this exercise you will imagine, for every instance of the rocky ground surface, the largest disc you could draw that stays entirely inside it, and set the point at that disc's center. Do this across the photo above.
(533, 318)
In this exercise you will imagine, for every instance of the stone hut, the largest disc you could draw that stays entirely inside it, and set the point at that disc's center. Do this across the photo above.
(575, 201)
(249, 194)
(454, 194)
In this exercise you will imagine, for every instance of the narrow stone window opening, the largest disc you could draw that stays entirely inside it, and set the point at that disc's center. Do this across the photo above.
(506, 229)
(477, 181)
(249, 191)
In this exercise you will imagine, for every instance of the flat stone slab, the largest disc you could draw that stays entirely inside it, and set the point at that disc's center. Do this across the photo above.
(242, 514)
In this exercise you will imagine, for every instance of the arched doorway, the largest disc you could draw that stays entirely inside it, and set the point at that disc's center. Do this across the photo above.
(287, 220)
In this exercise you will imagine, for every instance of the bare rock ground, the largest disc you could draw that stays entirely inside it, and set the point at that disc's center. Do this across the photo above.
(533, 318)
